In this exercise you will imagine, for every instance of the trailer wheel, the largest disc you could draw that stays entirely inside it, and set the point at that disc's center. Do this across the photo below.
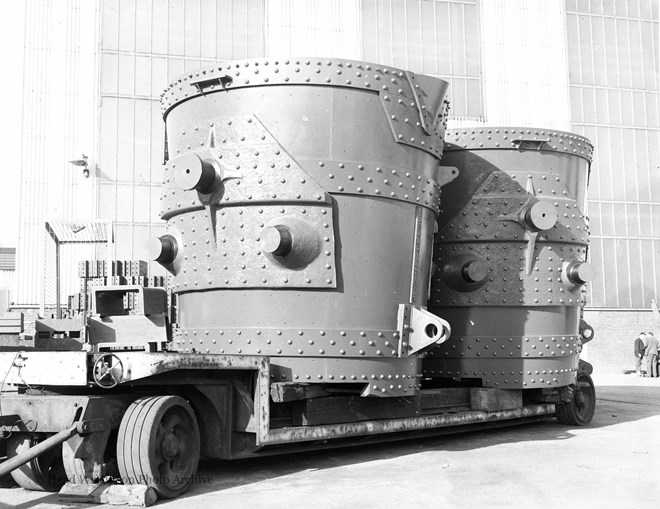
(580, 410)
(158, 444)
(44, 473)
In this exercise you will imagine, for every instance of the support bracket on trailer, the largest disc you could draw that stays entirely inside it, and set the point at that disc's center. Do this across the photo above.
(420, 329)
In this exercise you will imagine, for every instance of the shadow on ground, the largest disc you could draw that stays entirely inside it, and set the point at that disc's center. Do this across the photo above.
(615, 405)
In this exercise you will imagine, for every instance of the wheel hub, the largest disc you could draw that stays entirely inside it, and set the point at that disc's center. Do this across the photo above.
(169, 446)
(158, 442)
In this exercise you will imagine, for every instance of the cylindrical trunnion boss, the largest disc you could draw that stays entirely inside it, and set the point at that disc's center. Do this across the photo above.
(300, 199)
(511, 257)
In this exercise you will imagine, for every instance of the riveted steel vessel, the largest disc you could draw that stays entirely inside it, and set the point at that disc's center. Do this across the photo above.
(300, 198)
(511, 257)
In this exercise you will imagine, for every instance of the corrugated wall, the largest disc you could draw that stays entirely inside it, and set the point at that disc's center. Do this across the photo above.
(439, 38)
(613, 74)
(144, 45)
(525, 74)
(58, 124)
(7, 281)
(12, 25)
(324, 28)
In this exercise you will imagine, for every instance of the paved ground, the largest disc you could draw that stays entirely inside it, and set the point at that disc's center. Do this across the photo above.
(613, 463)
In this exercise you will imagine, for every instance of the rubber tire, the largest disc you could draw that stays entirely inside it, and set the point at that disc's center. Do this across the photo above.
(141, 441)
(577, 413)
(44, 473)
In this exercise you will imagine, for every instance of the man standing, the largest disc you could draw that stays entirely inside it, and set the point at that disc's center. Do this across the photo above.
(640, 347)
(651, 354)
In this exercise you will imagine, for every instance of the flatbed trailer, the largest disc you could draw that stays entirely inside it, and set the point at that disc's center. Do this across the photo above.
(320, 291)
